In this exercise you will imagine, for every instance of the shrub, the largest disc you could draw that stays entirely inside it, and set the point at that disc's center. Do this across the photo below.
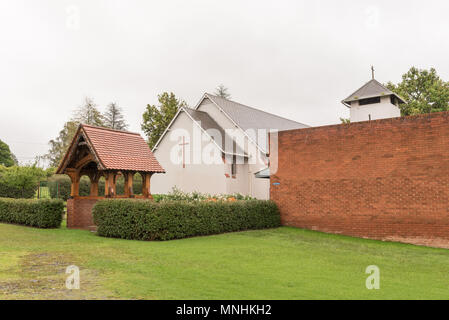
(177, 194)
(148, 220)
(42, 213)
(20, 182)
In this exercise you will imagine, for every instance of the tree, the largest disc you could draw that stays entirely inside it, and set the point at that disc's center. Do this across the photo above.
(423, 90)
(222, 91)
(157, 118)
(88, 114)
(59, 146)
(20, 182)
(113, 117)
(7, 159)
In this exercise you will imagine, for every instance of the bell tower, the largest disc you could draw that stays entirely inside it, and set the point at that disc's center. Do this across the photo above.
(373, 101)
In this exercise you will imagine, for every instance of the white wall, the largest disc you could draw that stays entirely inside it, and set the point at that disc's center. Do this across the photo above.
(245, 182)
(194, 177)
(381, 110)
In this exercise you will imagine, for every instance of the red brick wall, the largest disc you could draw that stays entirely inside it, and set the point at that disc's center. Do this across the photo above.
(79, 212)
(384, 179)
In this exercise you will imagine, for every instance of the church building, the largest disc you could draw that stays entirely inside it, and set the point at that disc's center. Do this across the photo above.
(221, 146)
(218, 147)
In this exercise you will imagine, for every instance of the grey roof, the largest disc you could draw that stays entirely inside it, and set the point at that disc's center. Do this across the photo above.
(250, 118)
(207, 123)
(371, 89)
(263, 174)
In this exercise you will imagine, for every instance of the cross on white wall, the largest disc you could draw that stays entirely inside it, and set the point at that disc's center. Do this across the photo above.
(183, 144)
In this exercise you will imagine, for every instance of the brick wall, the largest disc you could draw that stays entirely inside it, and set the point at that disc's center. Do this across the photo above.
(384, 179)
(79, 213)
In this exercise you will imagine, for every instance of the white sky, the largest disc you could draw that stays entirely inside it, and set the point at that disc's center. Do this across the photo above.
(297, 59)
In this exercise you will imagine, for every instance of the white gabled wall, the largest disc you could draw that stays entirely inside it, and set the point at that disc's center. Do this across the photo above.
(194, 177)
(245, 182)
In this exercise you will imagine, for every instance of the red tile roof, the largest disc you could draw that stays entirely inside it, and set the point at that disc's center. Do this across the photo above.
(121, 150)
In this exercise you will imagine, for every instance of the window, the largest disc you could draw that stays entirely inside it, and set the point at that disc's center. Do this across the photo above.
(393, 100)
(364, 102)
(233, 169)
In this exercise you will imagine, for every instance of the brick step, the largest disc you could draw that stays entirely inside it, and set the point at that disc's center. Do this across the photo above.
(92, 228)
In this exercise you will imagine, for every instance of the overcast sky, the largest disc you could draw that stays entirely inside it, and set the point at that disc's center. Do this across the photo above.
(297, 59)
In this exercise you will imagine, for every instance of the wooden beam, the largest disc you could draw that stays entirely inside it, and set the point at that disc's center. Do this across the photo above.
(81, 163)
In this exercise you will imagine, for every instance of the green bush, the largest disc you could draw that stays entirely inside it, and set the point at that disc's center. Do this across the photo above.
(44, 213)
(20, 182)
(177, 194)
(149, 220)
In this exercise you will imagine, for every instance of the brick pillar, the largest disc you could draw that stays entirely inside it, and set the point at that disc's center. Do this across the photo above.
(79, 213)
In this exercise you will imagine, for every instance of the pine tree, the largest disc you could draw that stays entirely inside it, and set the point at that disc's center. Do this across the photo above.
(222, 91)
(113, 117)
(88, 114)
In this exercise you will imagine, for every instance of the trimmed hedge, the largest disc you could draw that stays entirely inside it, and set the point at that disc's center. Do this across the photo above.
(44, 213)
(148, 220)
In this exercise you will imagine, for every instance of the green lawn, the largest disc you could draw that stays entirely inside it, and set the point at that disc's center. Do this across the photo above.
(282, 263)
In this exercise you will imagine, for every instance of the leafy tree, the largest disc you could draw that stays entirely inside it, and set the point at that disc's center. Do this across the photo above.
(88, 114)
(157, 118)
(59, 146)
(222, 91)
(7, 159)
(20, 182)
(423, 90)
(113, 117)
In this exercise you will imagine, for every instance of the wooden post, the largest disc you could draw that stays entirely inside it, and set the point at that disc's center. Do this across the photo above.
(75, 186)
(146, 185)
(109, 186)
(129, 184)
(94, 178)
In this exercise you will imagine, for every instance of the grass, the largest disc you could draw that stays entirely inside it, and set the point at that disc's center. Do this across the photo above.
(284, 263)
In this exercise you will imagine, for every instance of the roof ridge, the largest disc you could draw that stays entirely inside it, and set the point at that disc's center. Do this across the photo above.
(108, 129)
(271, 114)
(368, 82)
(382, 85)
